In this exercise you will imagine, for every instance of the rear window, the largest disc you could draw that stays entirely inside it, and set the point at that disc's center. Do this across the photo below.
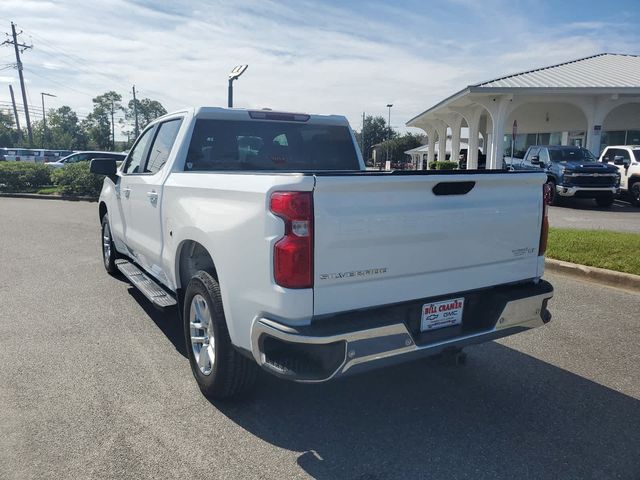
(268, 145)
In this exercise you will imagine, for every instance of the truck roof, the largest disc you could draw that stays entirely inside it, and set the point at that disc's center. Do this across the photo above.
(248, 114)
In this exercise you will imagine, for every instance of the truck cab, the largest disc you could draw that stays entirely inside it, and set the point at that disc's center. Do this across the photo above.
(572, 172)
(626, 158)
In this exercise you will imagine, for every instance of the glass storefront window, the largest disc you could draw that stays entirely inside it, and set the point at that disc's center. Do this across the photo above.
(633, 137)
(612, 137)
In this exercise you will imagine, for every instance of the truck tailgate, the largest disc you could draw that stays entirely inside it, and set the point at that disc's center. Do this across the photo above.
(382, 239)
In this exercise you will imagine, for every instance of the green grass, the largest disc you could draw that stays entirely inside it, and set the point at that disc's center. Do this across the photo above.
(596, 248)
(48, 191)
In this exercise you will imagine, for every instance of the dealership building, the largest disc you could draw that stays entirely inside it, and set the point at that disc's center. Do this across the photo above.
(591, 102)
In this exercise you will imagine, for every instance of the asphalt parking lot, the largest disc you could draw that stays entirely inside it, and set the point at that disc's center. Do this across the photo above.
(584, 214)
(95, 384)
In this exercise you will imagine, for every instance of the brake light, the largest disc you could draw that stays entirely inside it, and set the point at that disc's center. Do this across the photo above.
(544, 230)
(293, 253)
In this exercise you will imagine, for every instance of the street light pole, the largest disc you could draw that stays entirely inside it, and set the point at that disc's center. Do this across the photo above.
(44, 117)
(234, 75)
(389, 105)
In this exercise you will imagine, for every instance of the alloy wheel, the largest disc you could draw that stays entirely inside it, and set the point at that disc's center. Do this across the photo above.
(106, 244)
(202, 336)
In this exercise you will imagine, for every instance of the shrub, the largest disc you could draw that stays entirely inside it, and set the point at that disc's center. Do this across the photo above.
(76, 179)
(443, 165)
(23, 176)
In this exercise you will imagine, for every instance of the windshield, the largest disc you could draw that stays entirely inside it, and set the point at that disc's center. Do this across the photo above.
(571, 155)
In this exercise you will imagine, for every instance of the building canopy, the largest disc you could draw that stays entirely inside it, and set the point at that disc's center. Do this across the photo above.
(590, 102)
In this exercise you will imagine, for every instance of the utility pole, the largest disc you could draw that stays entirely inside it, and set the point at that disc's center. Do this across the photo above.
(113, 128)
(15, 111)
(44, 118)
(135, 113)
(362, 140)
(389, 105)
(19, 48)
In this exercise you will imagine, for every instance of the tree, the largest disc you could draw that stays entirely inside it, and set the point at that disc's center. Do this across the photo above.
(8, 134)
(148, 110)
(98, 125)
(400, 144)
(64, 131)
(375, 131)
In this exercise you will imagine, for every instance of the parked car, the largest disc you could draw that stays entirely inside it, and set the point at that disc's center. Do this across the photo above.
(51, 156)
(462, 159)
(627, 159)
(20, 155)
(292, 257)
(572, 172)
(85, 157)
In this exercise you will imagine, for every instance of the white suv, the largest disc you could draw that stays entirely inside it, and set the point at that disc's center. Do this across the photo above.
(627, 159)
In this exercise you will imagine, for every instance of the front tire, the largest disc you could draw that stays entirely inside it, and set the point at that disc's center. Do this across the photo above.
(219, 370)
(109, 254)
(634, 192)
(553, 194)
(605, 201)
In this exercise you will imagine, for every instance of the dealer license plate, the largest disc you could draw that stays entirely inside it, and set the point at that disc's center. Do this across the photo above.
(441, 314)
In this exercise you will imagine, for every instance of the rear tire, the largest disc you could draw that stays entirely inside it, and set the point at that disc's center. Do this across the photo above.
(605, 201)
(109, 253)
(219, 370)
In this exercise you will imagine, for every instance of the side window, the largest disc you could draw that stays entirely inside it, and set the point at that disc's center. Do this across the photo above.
(544, 156)
(161, 148)
(624, 153)
(134, 160)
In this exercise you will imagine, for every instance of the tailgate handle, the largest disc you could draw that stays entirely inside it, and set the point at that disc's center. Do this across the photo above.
(453, 188)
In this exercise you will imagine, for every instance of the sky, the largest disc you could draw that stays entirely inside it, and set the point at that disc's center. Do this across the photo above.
(328, 57)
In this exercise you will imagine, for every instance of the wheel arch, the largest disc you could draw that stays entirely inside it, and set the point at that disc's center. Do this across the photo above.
(191, 257)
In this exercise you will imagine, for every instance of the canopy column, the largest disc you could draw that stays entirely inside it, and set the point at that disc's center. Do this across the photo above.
(441, 129)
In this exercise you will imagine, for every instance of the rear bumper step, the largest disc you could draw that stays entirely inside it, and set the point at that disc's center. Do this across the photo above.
(147, 286)
(305, 355)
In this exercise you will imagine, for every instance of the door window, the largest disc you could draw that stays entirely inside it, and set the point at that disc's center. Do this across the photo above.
(161, 148)
(544, 156)
(136, 155)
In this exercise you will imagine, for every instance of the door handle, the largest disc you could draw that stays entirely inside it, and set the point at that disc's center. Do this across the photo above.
(126, 191)
(153, 197)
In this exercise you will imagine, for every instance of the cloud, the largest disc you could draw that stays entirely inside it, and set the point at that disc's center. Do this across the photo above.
(324, 57)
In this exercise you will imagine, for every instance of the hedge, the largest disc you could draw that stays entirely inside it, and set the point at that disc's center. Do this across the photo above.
(443, 165)
(75, 179)
(23, 176)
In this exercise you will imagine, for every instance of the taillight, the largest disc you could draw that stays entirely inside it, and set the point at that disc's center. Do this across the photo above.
(544, 230)
(293, 253)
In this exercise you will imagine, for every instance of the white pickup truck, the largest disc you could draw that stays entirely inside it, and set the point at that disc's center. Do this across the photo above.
(281, 251)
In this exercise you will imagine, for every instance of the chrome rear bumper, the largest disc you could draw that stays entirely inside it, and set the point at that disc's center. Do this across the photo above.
(373, 347)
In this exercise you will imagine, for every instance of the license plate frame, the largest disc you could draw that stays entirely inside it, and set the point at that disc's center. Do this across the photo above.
(441, 314)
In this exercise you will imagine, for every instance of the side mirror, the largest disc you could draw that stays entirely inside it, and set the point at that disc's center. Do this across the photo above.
(104, 166)
(618, 160)
(535, 160)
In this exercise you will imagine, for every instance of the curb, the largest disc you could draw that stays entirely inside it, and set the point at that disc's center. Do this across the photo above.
(49, 197)
(594, 274)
